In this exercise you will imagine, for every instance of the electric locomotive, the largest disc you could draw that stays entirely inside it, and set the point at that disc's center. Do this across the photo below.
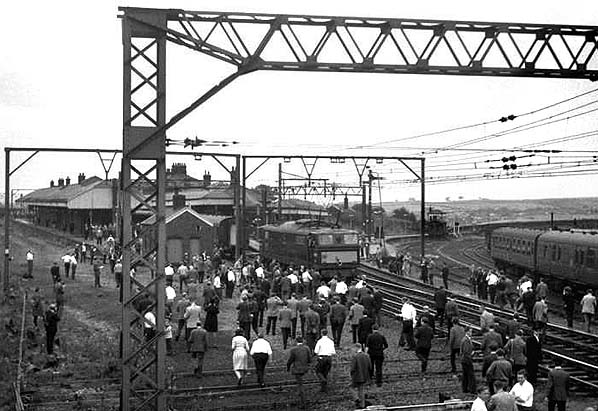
(324, 246)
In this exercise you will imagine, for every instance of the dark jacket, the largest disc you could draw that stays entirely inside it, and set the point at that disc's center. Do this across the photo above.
(198, 340)
(440, 298)
(338, 313)
(451, 310)
(312, 321)
(424, 335)
(466, 350)
(360, 368)
(455, 337)
(500, 369)
(558, 385)
(244, 315)
(368, 303)
(285, 316)
(299, 359)
(491, 341)
(364, 329)
(533, 350)
(376, 344)
(515, 351)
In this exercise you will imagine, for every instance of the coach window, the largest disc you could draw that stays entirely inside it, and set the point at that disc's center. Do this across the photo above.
(299, 239)
(591, 258)
(553, 254)
(545, 251)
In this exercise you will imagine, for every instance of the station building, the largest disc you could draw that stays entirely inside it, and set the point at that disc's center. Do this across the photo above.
(69, 207)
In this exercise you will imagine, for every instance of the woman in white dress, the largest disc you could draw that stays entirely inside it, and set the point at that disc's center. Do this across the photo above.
(240, 348)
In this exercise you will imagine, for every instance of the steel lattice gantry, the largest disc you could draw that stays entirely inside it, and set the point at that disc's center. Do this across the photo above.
(287, 42)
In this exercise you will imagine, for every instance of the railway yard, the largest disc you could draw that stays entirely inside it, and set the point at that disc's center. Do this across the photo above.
(87, 373)
(312, 192)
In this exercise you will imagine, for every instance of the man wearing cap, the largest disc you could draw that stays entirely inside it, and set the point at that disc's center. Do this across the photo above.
(261, 351)
(198, 345)
(324, 350)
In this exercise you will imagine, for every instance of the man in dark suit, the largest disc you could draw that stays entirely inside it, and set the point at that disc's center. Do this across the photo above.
(468, 380)
(376, 344)
(533, 351)
(558, 387)
(298, 364)
(198, 342)
(338, 315)
(423, 336)
(361, 369)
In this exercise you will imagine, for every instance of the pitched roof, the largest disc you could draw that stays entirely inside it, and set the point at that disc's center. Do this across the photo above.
(172, 214)
(62, 194)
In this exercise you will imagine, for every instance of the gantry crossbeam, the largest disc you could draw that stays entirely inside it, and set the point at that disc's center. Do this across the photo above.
(387, 45)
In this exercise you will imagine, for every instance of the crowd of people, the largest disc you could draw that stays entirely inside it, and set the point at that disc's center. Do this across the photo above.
(303, 307)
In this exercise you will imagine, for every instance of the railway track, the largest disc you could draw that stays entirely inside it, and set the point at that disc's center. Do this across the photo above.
(578, 350)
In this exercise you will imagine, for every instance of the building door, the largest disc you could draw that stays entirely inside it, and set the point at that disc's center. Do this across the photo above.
(174, 250)
(195, 246)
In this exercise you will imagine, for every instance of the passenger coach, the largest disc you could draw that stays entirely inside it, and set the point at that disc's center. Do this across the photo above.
(569, 257)
(318, 244)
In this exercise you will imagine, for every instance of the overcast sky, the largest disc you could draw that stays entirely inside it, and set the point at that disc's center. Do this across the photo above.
(61, 86)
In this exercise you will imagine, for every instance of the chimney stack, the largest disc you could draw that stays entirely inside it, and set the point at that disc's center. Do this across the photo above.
(207, 179)
(51, 183)
(178, 200)
(61, 182)
(68, 180)
(80, 178)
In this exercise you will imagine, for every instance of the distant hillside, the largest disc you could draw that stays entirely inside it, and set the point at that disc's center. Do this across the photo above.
(475, 211)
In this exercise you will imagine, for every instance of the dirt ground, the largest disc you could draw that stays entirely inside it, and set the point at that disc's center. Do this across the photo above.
(88, 352)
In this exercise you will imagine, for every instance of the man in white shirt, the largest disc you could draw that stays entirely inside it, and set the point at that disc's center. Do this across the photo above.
(259, 273)
(261, 350)
(149, 325)
(170, 297)
(408, 315)
(73, 266)
(66, 260)
(29, 257)
(306, 278)
(169, 273)
(230, 282)
(294, 281)
(217, 285)
(523, 392)
(479, 404)
(492, 280)
(324, 350)
(323, 291)
(341, 290)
